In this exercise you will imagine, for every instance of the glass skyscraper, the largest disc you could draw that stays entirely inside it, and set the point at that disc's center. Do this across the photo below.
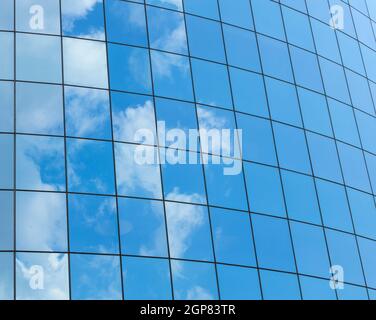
(105, 191)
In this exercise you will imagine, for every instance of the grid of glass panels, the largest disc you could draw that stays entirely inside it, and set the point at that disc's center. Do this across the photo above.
(75, 207)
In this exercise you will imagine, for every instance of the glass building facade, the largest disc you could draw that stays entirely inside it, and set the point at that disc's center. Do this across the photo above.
(80, 218)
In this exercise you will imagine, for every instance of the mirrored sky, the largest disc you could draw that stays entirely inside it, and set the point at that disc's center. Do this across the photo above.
(79, 79)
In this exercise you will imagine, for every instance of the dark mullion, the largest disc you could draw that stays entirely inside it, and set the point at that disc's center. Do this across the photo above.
(277, 157)
(14, 154)
(65, 149)
(201, 153)
(241, 147)
(305, 135)
(158, 151)
(355, 117)
(113, 153)
(338, 156)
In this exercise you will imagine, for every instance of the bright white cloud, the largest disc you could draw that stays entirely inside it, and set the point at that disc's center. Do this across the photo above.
(87, 110)
(174, 41)
(134, 178)
(131, 119)
(73, 10)
(199, 293)
(183, 221)
(85, 63)
(54, 269)
(41, 222)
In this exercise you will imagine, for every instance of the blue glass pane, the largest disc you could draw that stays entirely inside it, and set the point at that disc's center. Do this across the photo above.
(95, 277)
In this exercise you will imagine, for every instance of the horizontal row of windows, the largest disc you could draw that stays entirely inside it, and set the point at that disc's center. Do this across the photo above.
(295, 149)
(88, 19)
(130, 69)
(186, 231)
(106, 277)
(85, 106)
(80, 138)
(205, 42)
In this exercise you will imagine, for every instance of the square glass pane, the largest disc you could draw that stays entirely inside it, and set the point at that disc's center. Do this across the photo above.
(41, 221)
(279, 286)
(129, 69)
(344, 252)
(208, 9)
(6, 276)
(368, 250)
(7, 55)
(232, 237)
(268, 18)
(241, 48)
(146, 279)
(133, 115)
(237, 283)
(40, 163)
(344, 125)
(315, 112)
(211, 84)
(301, 198)
(334, 206)
(137, 171)
(90, 166)
(310, 250)
(126, 22)
(36, 269)
(167, 30)
(249, 92)
(175, 5)
(142, 227)
(363, 211)
(6, 222)
(316, 289)
(292, 148)
(6, 161)
(189, 232)
(264, 190)
(95, 277)
(301, 36)
(6, 106)
(324, 157)
(172, 76)
(354, 167)
(172, 115)
(85, 63)
(306, 69)
(87, 113)
(237, 13)
(83, 19)
(183, 181)
(283, 102)
(93, 224)
(38, 58)
(275, 57)
(6, 15)
(205, 39)
(225, 184)
(194, 280)
(39, 109)
(273, 243)
(38, 17)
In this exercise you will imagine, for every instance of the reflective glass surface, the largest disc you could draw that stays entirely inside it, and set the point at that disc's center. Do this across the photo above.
(109, 111)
